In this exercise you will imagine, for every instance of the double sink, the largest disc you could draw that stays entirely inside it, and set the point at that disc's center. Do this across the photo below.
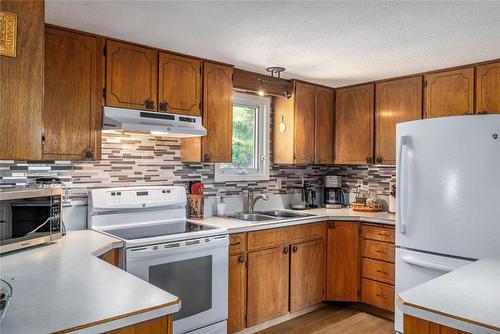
(268, 215)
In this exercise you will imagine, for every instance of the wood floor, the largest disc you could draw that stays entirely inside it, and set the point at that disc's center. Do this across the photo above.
(334, 319)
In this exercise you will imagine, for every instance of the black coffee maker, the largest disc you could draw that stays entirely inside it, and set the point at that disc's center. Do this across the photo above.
(334, 197)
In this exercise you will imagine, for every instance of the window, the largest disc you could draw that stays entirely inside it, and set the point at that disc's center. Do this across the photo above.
(250, 160)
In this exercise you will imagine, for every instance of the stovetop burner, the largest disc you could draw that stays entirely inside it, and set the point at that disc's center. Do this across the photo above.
(157, 230)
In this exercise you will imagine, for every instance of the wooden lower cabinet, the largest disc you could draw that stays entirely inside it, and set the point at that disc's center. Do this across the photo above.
(343, 265)
(237, 293)
(268, 284)
(413, 325)
(112, 257)
(162, 325)
(377, 294)
(307, 274)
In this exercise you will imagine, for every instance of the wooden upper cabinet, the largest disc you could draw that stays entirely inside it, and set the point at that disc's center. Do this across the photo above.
(488, 89)
(237, 293)
(343, 262)
(179, 84)
(397, 101)
(354, 125)
(21, 85)
(303, 126)
(217, 112)
(307, 274)
(268, 284)
(305, 109)
(131, 76)
(449, 93)
(72, 109)
(325, 118)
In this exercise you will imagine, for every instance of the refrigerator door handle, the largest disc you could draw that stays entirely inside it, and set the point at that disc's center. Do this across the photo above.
(428, 265)
(402, 181)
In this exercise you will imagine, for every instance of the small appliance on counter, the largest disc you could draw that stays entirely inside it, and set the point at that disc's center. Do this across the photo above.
(304, 197)
(29, 217)
(334, 196)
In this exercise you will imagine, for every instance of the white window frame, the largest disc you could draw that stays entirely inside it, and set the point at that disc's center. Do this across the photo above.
(263, 130)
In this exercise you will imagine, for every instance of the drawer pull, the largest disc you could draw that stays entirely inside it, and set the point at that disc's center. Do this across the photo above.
(235, 243)
(382, 251)
(383, 272)
(383, 234)
(382, 296)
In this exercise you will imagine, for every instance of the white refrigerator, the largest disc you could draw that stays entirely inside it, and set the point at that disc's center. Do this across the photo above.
(448, 200)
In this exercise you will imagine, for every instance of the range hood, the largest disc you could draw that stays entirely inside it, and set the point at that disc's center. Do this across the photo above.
(157, 123)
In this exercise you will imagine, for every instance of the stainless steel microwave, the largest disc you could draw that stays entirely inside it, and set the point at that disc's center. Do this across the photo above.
(29, 217)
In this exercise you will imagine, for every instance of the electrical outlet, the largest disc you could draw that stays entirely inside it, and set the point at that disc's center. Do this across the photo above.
(279, 183)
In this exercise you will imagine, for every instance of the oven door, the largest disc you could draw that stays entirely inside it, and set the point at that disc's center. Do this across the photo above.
(194, 270)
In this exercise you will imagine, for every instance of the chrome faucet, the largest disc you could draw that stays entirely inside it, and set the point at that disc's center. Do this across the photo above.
(253, 199)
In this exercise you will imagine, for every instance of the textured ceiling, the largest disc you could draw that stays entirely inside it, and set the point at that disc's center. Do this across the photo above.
(333, 43)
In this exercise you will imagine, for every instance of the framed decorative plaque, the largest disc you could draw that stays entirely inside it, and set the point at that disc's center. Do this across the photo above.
(8, 34)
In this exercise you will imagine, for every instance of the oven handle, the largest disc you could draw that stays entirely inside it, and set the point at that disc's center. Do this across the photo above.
(172, 248)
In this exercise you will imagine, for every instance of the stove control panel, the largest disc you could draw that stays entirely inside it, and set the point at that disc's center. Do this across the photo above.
(136, 197)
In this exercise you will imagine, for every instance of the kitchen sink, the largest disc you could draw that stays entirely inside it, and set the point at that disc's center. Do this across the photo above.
(251, 217)
(285, 214)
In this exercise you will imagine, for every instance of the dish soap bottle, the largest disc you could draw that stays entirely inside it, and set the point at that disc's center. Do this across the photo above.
(221, 207)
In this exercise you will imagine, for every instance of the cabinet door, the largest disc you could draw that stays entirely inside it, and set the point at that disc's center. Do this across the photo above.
(325, 118)
(413, 325)
(396, 102)
(449, 93)
(72, 113)
(179, 85)
(354, 125)
(488, 89)
(131, 76)
(217, 113)
(307, 274)
(343, 262)
(305, 109)
(21, 84)
(268, 278)
(237, 293)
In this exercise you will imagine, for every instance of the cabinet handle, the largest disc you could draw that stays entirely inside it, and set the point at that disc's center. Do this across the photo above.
(383, 296)
(383, 272)
(88, 154)
(331, 225)
(369, 160)
(149, 104)
(164, 106)
(467, 113)
(311, 159)
(235, 243)
(295, 248)
(482, 112)
(43, 138)
(241, 259)
(380, 160)
(383, 234)
(382, 251)
(318, 160)
(207, 157)
(285, 250)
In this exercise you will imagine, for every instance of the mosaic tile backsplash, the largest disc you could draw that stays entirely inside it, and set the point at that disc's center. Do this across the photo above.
(133, 159)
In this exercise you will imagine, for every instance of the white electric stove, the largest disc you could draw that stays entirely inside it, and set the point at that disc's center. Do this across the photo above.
(184, 257)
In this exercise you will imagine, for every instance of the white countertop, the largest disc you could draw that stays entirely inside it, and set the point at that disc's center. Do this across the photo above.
(64, 286)
(467, 298)
(236, 226)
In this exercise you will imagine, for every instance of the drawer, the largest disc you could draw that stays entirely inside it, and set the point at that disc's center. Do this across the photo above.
(237, 243)
(377, 294)
(285, 235)
(377, 233)
(378, 270)
(378, 250)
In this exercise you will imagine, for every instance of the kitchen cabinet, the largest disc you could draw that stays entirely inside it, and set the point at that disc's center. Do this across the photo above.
(72, 99)
(131, 76)
(237, 293)
(397, 101)
(343, 262)
(377, 294)
(179, 84)
(488, 89)
(21, 84)
(413, 325)
(354, 118)
(307, 274)
(113, 257)
(449, 93)
(268, 284)
(216, 146)
(162, 325)
(303, 126)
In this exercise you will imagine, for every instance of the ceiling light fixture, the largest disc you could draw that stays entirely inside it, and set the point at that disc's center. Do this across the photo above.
(275, 79)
